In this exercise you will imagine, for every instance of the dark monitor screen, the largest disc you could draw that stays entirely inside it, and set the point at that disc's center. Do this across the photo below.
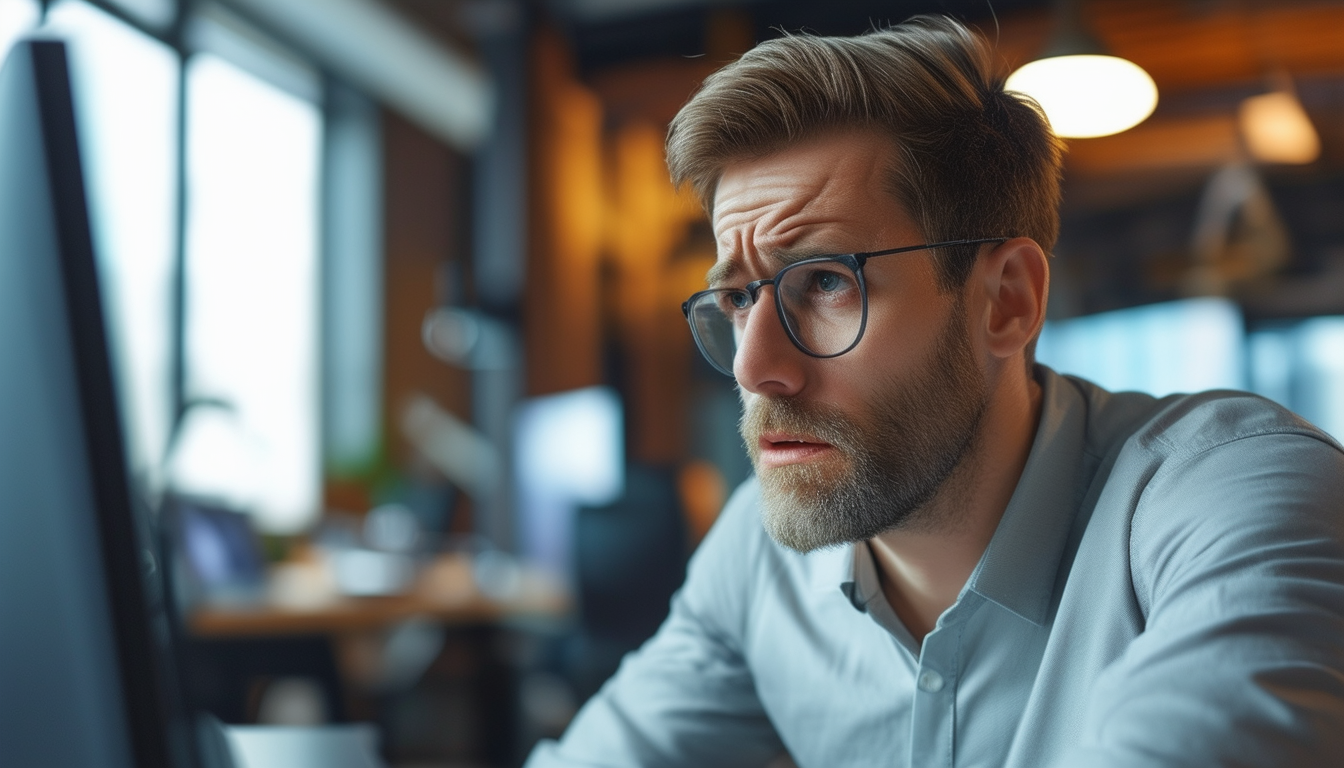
(85, 651)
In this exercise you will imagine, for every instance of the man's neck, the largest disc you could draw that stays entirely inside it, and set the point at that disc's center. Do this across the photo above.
(923, 568)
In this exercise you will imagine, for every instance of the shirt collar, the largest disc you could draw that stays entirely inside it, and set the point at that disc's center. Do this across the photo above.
(863, 584)
(1019, 566)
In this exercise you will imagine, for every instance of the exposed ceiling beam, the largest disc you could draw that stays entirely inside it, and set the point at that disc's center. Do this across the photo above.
(381, 52)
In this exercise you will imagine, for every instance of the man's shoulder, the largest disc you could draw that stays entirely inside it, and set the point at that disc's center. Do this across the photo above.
(1187, 425)
(1212, 483)
(1183, 425)
(1213, 459)
(1193, 448)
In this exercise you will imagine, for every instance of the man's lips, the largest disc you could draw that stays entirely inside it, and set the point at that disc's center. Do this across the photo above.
(777, 450)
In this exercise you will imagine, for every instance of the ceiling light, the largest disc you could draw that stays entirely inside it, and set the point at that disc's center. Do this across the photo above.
(1277, 129)
(1083, 91)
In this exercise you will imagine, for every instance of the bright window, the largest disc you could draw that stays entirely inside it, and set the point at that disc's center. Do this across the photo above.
(126, 91)
(1177, 346)
(16, 18)
(1301, 365)
(252, 294)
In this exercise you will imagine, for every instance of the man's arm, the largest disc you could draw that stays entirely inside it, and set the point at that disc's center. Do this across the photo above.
(687, 696)
(1238, 561)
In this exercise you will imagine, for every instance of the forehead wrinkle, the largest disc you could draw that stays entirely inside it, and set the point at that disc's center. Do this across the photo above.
(728, 269)
(747, 229)
(773, 212)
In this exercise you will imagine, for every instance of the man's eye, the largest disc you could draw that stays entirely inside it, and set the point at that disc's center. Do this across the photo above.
(732, 301)
(827, 281)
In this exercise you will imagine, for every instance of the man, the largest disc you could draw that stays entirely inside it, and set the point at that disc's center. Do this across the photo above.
(949, 556)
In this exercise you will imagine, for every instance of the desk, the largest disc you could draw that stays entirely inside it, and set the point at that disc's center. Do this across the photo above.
(445, 593)
(341, 642)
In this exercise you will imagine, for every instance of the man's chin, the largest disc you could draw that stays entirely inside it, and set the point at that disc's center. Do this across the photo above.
(798, 515)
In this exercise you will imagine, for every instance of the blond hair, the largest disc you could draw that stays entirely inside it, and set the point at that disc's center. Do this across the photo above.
(973, 160)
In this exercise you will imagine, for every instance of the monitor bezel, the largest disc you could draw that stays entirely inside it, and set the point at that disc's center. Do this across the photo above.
(159, 724)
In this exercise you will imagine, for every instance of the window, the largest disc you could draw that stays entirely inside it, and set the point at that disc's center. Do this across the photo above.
(16, 18)
(1301, 365)
(253, 153)
(1177, 346)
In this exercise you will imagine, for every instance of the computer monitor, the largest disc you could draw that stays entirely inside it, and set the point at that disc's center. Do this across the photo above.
(569, 451)
(86, 655)
(221, 551)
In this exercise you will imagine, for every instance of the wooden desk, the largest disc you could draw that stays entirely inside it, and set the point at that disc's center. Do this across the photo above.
(234, 650)
(445, 593)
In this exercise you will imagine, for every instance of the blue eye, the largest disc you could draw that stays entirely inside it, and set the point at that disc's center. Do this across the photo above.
(738, 299)
(829, 281)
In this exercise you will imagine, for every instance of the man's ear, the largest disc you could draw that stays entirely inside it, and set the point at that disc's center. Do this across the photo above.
(1015, 280)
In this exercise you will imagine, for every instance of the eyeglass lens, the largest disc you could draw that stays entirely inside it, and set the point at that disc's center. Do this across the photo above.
(821, 304)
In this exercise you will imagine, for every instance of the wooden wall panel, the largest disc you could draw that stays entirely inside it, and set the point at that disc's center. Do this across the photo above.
(647, 220)
(424, 223)
(562, 307)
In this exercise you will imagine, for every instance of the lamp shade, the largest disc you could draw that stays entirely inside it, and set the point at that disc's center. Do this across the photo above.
(1277, 129)
(1087, 95)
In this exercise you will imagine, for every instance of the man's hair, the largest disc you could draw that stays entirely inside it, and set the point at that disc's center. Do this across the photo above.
(973, 160)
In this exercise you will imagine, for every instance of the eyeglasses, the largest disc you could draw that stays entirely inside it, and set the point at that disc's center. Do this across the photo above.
(822, 302)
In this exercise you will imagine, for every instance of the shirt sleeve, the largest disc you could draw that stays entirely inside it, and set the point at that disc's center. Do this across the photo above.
(1237, 558)
(686, 698)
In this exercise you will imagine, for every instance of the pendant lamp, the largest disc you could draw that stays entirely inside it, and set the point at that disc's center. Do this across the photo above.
(1084, 91)
(1276, 127)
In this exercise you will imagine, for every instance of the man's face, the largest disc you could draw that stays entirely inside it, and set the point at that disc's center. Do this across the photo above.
(848, 447)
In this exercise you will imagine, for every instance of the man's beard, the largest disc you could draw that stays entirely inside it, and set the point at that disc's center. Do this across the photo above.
(892, 462)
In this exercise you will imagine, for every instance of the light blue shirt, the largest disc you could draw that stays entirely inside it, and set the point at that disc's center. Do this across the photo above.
(1165, 588)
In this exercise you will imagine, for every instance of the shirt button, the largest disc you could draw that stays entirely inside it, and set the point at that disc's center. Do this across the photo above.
(931, 682)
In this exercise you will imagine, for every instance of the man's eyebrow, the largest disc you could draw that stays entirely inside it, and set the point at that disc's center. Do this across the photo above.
(724, 271)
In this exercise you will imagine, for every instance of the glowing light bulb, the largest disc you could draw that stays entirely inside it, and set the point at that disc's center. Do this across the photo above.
(1085, 96)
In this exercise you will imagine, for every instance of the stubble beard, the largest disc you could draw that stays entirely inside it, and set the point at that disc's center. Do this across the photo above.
(892, 462)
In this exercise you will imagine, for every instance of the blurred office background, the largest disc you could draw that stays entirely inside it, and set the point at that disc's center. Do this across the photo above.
(394, 289)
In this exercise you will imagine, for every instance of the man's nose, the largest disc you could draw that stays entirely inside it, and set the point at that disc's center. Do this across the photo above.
(767, 362)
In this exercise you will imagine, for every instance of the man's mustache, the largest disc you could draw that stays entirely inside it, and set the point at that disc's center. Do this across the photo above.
(817, 423)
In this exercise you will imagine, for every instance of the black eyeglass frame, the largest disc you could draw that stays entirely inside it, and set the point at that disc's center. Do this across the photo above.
(855, 262)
